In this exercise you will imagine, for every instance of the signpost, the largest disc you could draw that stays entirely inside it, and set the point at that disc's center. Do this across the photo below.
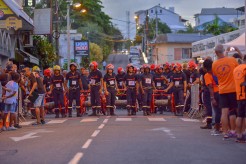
(82, 48)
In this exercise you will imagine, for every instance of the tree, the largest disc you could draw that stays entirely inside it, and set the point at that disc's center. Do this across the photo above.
(44, 51)
(189, 29)
(96, 53)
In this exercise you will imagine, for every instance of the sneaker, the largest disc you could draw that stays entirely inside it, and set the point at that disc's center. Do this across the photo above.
(206, 126)
(43, 122)
(241, 140)
(18, 126)
(215, 133)
(232, 134)
(36, 123)
(4, 128)
(12, 128)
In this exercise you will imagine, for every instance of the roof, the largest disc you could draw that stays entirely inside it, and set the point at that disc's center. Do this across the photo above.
(221, 22)
(18, 10)
(181, 38)
(219, 11)
(163, 8)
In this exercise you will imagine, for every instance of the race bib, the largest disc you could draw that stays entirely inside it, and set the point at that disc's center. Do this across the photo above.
(169, 80)
(131, 83)
(58, 85)
(148, 81)
(190, 80)
(111, 82)
(158, 84)
(176, 83)
(74, 82)
(120, 83)
(93, 81)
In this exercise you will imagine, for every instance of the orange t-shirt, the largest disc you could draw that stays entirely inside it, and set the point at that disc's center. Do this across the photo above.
(210, 80)
(223, 68)
(239, 77)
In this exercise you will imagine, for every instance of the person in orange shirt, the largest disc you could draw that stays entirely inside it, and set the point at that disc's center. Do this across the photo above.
(240, 82)
(211, 82)
(223, 68)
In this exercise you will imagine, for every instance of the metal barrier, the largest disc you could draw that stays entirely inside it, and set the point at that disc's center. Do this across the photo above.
(195, 107)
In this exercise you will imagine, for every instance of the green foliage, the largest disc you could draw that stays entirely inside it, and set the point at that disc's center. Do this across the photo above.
(163, 28)
(44, 51)
(96, 53)
(189, 29)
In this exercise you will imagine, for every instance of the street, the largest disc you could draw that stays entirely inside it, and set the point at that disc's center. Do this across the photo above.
(122, 139)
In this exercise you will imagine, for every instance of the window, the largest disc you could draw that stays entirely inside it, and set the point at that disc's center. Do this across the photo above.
(160, 11)
(177, 53)
(151, 11)
(186, 53)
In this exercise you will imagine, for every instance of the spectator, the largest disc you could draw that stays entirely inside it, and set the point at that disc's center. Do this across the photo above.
(223, 69)
(104, 65)
(84, 78)
(10, 101)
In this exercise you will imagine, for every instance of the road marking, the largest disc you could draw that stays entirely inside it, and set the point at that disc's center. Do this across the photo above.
(89, 120)
(26, 123)
(56, 121)
(96, 132)
(101, 126)
(190, 120)
(25, 137)
(76, 158)
(87, 144)
(123, 119)
(166, 130)
(157, 119)
(105, 121)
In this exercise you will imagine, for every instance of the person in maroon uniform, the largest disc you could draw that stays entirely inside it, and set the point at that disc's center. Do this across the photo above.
(96, 87)
(110, 87)
(57, 84)
(131, 87)
(75, 85)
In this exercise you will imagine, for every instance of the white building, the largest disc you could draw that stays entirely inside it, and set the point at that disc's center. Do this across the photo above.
(208, 14)
(168, 16)
(63, 47)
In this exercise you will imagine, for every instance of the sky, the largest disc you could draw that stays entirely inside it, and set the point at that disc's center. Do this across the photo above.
(116, 9)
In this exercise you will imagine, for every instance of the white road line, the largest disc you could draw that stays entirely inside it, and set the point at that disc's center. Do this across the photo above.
(96, 132)
(123, 119)
(76, 158)
(89, 120)
(157, 119)
(101, 126)
(87, 144)
(105, 121)
(189, 120)
(26, 123)
(56, 121)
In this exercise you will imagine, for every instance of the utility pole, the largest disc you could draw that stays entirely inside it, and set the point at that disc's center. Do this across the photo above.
(156, 23)
(68, 34)
(128, 24)
(57, 31)
(146, 32)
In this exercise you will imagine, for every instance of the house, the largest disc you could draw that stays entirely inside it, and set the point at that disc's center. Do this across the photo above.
(174, 47)
(225, 14)
(168, 16)
(15, 31)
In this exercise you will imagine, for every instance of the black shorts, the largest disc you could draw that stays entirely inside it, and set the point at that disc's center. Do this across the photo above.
(241, 111)
(228, 100)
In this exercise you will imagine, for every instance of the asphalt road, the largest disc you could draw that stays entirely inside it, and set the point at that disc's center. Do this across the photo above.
(122, 140)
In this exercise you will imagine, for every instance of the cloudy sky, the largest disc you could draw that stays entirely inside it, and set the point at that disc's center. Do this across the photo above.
(116, 9)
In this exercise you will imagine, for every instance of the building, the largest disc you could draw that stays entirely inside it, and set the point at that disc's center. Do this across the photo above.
(63, 47)
(168, 16)
(174, 47)
(225, 14)
(15, 30)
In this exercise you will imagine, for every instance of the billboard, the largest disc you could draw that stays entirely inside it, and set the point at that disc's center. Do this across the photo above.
(42, 21)
(81, 48)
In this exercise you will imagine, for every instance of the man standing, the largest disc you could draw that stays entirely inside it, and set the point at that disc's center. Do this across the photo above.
(104, 65)
(223, 68)
(75, 85)
(37, 87)
(96, 87)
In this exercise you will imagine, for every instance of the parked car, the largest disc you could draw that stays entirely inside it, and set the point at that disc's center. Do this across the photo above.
(124, 51)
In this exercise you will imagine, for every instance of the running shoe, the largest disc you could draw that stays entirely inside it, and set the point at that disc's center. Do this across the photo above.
(12, 128)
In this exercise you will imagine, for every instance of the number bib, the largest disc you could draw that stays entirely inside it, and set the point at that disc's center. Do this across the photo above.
(111, 82)
(176, 83)
(74, 82)
(93, 81)
(120, 83)
(158, 84)
(148, 81)
(58, 85)
(131, 83)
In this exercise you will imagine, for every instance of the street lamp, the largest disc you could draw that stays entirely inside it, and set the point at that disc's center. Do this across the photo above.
(75, 5)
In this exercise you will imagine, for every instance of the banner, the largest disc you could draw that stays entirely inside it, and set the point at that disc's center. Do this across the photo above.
(81, 48)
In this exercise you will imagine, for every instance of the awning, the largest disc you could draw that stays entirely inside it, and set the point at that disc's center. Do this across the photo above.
(238, 42)
(32, 59)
